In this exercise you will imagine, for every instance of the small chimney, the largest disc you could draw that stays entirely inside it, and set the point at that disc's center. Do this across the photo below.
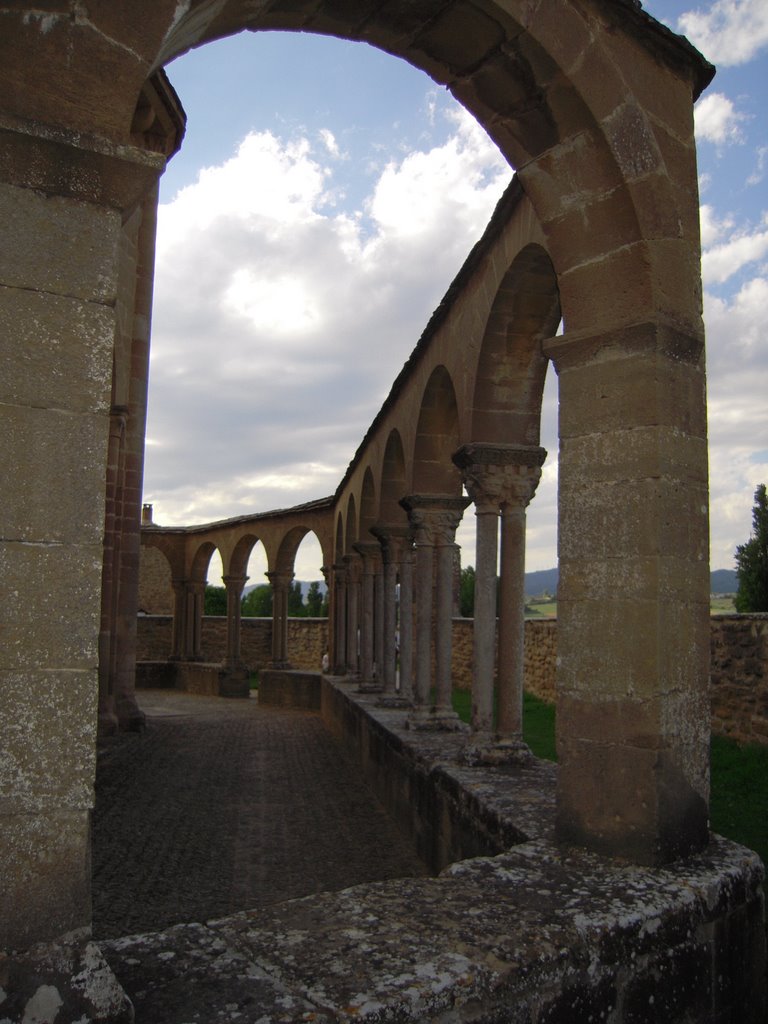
(146, 515)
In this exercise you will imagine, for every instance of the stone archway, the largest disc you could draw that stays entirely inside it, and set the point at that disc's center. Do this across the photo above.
(593, 105)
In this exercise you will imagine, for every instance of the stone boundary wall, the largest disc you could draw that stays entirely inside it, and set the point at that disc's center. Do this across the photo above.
(307, 640)
(739, 679)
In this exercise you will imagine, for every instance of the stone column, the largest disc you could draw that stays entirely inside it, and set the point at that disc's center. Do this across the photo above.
(110, 575)
(339, 619)
(354, 576)
(633, 715)
(434, 519)
(234, 679)
(179, 635)
(393, 541)
(405, 622)
(234, 585)
(195, 608)
(139, 266)
(63, 200)
(368, 552)
(499, 477)
(280, 580)
(379, 628)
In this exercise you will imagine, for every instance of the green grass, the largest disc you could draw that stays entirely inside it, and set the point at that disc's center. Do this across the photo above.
(254, 680)
(720, 604)
(739, 794)
(538, 721)
(739, 785)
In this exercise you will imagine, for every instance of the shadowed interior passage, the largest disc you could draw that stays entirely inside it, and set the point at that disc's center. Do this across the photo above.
(218, 807)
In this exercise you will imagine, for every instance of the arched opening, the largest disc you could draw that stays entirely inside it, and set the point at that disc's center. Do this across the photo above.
(437, 438)
(610, 172)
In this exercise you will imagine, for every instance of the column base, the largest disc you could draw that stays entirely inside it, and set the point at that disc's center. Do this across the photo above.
(107, 723)
(63, 981)
(393, 700)
(234, 682)
(489, 751)
(370, 687)
(435, 719)
(130, 715)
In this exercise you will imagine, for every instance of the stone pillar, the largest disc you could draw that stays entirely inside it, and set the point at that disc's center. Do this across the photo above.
(633, 714)
(234, 585)
(405, 622)
(368, 552)
(138, 275)
(393, 541)
(434, 519)
(234, 679)
(379, 627)
(499, 477)
(339, 619)
(110, 575)
(354, 576)
(63, 200)
(179, 636)
(280, 581)
(194, 623)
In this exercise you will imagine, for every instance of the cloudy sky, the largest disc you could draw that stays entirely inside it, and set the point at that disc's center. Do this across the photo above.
(324, 198)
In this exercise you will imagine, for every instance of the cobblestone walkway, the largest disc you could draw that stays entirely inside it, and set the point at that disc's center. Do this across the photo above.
(222, 806)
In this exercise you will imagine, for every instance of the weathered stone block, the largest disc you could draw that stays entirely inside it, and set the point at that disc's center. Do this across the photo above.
(50, 617)
(65, 448)
(38, 223)
(49, 741)
(45, 864)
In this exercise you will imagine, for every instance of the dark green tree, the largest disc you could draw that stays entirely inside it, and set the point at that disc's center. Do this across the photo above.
(314, 600)
(467, 592)
(258, 602)
(215, 600)
(296, 607)
(752, 560)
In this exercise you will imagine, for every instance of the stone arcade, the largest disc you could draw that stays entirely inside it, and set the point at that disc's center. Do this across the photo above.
(592, 103)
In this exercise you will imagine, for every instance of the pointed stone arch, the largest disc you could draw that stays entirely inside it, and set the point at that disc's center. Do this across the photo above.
(394, 481)
(511, 367)
(437, 437)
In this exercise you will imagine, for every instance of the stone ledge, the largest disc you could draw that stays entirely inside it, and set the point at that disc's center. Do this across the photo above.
(288, 688)
(530, 935)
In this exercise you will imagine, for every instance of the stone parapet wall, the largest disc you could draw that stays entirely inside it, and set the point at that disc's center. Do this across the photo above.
(540, 657)
(307, 640)
(739, 676)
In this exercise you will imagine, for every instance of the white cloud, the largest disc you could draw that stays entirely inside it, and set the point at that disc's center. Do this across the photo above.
(759, 172)
(744, 246)
(730, 32)
(276, 332)
(737, 369)
(717, 120)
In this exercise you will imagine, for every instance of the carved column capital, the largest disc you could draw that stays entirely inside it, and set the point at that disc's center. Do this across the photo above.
(434, 517)
(370, 552)
(498, 475)
(234, 582)
(280, 578)
(393, 542)
(354, 567)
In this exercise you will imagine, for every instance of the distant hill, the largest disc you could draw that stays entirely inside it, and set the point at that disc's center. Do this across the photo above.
(545, 580)
(721, 581)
